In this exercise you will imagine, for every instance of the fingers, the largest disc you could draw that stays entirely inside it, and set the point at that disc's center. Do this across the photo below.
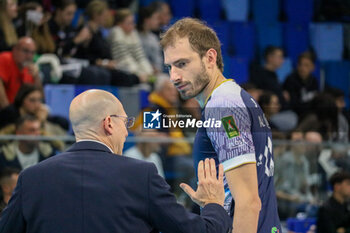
(200, 169)
(206, 168)
(188, 190)
(212, 168)
(221, 173)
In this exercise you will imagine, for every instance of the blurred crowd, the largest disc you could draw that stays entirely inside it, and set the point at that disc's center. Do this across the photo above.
(117, 43)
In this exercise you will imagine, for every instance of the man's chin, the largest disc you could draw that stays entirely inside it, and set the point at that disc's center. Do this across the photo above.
(186, 95)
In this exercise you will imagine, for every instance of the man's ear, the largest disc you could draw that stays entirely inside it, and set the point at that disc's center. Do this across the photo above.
(108, 125)
(211, 57)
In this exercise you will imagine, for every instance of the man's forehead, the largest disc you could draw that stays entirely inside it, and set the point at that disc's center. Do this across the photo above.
(181, 48)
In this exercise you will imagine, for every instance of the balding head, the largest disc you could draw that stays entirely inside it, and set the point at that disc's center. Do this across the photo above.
(25, 41)
(98, 115)
(88, 110)
(24, 51)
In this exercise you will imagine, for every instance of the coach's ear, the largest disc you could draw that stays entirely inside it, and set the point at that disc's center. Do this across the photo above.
(108, 125)
(211, 56)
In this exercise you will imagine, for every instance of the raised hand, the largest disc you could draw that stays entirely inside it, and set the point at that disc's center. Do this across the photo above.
(210, 188)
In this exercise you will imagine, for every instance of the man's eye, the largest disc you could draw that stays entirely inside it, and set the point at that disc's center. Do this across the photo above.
(181, 64)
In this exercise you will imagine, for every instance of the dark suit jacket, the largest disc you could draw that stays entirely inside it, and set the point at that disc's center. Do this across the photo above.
(89, 189)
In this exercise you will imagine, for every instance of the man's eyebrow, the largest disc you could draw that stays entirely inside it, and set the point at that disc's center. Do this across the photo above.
(178, 61)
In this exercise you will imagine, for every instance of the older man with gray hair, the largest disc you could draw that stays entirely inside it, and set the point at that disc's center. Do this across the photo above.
(92, 188)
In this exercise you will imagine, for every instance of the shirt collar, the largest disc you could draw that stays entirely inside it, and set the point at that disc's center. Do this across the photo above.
(91, 140)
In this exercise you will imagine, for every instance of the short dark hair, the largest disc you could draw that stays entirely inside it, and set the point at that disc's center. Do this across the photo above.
(339, 177)
(271, 49)
(23, 92)
(7, 172)
(157, 5)
(121, 15)
(20, 121)
(265, 98)
(145, 13)
(63, 4)
(307, 55)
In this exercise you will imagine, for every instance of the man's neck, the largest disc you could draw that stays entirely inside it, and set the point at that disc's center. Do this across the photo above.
(101, 141)
(24, 148)
(339, 198)
(214, 82)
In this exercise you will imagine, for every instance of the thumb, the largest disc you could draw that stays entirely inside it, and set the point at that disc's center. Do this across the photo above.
(188, 190)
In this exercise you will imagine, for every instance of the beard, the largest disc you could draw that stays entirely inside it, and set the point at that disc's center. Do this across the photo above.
(201, 80)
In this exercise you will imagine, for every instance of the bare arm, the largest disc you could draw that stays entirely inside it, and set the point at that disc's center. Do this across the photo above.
(243, 183)
(34, 71)
(3, 98)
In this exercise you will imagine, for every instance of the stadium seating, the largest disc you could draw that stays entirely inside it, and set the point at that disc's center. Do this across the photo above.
(182, 8)
(243, 39)
(209, 10)
(266, 11)
(236, 68)
(298, 11)
(327, 41)
(269, 34)
(337, 74)
(222, 30)
(236, 10)
(295, 40)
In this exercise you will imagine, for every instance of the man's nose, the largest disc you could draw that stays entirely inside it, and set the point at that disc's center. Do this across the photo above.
(175, 75)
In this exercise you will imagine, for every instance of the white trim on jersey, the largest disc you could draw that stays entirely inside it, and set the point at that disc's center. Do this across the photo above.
(238, 161)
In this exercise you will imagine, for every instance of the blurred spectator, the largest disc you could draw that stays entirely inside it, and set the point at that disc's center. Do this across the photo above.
(265, 77)
(334, 215)
(323, 118)
(281, 121)
(343, 124)
(29, 101)
(64, 35)
(98, 51)
(164, 15)
(293, 190)
(8, 181)
(148, 21)
(8, 36)
(22, 154)
(16, 68)
(33, 22)
(147, 151)
(126, 46)
(301, 85)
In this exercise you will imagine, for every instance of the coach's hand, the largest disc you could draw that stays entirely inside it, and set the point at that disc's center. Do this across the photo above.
(210, 189)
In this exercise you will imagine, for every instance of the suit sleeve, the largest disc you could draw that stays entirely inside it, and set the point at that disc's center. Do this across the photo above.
(12, 219)
(170, 217)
